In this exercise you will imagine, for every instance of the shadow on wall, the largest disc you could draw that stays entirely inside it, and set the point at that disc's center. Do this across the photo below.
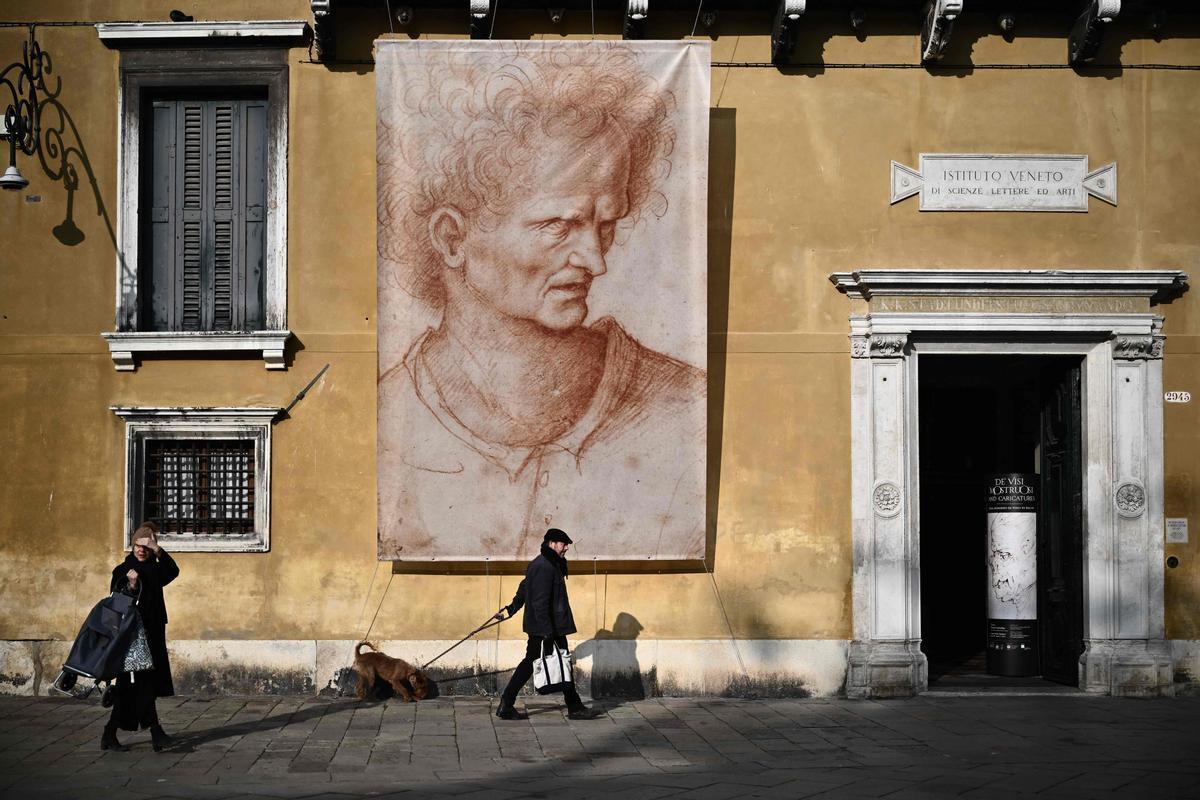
(61, 151)
(615, 672)
(722, 154)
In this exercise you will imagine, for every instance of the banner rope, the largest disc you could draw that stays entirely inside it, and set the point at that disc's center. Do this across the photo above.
(367, 597)
(737, 651)
(380, 606)
(696, 22)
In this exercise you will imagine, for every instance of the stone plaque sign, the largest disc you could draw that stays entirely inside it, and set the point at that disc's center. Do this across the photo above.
(1177, 530)
(989, 182)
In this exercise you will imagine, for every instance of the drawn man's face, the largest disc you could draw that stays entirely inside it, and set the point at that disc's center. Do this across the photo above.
(537, 260)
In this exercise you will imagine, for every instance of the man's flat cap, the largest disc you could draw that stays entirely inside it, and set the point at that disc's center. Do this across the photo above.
(555, 535)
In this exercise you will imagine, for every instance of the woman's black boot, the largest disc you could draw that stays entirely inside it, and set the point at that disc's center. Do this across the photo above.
(108, 740)
(159, 738)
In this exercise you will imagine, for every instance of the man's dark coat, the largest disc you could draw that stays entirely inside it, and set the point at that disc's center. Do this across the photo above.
(154, 575)
(543, 593)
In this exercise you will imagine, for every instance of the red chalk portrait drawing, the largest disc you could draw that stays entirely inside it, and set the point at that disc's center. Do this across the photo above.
(542, 297)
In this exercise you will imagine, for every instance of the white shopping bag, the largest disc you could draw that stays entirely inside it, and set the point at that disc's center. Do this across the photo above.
(552, 669)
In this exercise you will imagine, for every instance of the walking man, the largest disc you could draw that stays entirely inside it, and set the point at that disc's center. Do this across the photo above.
(547, 620)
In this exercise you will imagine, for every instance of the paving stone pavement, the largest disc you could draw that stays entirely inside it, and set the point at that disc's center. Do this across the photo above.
(979, 747)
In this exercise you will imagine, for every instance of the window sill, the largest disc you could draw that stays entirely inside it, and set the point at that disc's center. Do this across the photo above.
(125, 345)
(116, 34)
(214, 544)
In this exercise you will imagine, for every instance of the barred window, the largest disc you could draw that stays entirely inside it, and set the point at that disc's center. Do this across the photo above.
(200, 487)
(202, 474)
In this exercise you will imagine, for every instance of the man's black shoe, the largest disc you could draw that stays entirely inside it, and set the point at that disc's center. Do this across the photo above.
(583, 712)
(109, 742)
(507, 711)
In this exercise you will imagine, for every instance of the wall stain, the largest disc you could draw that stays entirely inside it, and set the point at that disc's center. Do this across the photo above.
(236, 680)
(773, 685)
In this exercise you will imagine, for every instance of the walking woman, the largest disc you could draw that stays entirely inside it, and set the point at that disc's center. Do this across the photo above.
(146, 570)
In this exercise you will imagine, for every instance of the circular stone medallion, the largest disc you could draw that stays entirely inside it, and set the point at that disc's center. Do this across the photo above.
(886, 498)
(1130, 499)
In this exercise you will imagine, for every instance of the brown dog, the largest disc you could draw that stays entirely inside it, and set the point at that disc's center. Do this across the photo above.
(408, 682)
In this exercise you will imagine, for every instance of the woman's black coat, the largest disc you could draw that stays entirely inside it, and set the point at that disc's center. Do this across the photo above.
(543, 593)
(154, 575)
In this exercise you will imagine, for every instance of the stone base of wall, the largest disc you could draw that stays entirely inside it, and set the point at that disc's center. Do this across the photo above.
(627, 668)
(1127, 667)
(1186, 653)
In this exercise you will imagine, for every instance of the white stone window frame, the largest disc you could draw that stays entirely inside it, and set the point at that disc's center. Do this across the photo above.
(198, 55)
(144, 423)
(1125, 651)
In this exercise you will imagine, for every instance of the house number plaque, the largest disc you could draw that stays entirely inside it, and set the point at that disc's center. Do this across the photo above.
(989, 182)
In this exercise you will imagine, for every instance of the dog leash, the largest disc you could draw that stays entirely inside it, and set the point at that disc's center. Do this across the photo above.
(491, 623)
(454, 678)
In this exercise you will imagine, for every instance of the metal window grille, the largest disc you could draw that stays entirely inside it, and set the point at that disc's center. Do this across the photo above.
(200, 487)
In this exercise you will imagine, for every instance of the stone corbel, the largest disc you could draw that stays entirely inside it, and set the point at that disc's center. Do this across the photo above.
(939, 24)
(481, 19)
(1135, 347)
(324, 28)
(783, 31)
(635, 18)
(878, 345)
(1088, 31)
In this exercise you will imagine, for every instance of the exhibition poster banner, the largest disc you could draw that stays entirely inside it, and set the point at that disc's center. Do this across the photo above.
(542, 297)
(1012, 609)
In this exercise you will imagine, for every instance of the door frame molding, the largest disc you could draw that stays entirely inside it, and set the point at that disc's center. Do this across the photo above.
(1121, 342)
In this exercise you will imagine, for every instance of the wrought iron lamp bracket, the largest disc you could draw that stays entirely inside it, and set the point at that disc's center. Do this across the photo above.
(24, 79)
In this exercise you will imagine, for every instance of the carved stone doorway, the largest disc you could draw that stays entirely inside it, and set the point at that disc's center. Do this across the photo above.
(981, 416)
(1105, 318)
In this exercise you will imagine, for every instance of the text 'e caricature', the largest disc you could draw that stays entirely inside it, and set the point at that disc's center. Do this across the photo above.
(542, 297)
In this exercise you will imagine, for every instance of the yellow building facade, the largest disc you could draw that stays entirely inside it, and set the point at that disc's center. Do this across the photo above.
(834, 315)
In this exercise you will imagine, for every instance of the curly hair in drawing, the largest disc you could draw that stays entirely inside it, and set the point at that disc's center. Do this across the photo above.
(481, 121)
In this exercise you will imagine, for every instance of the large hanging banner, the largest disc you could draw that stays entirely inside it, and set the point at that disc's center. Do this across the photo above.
(542, 297)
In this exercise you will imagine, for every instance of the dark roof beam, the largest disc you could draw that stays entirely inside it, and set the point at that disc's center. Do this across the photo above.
(1088, 31)
(939, 24)
(783, 31)
(481, 18)
(324, 28)
(636, 12)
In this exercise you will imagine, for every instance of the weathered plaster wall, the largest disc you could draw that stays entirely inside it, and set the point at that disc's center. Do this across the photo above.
(799, 165)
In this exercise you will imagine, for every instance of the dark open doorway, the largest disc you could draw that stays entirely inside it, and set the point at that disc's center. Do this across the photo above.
(981, 415)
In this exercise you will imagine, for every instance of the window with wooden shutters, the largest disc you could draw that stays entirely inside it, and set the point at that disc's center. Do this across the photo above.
(201, 261)
(203, 214)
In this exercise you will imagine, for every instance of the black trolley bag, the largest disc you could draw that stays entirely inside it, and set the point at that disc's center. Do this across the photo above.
(99, 649)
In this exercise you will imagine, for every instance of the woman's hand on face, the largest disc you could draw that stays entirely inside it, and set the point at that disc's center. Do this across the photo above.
(132, 577)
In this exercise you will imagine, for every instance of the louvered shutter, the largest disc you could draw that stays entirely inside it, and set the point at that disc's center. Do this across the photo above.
(205, 235)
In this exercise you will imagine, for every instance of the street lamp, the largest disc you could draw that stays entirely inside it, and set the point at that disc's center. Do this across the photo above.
(22, 124)
(12, 179)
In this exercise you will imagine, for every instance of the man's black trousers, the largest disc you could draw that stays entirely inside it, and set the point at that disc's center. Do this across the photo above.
(533, 651)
